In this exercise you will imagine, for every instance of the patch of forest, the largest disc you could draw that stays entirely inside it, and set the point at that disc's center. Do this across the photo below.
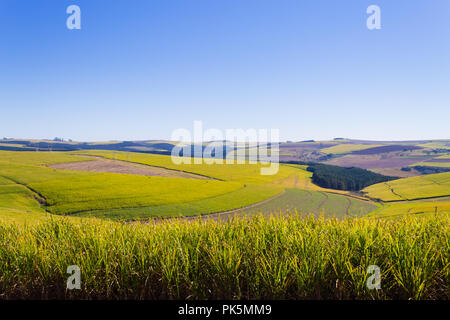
(429, 169)
(342, 178)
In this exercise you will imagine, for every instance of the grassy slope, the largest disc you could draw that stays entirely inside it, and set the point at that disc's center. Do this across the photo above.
(109, 191)
(434, 145)
(405, 208)
(290, 176)
(127, 197)
(432, 164)
(315, 202)
(346, 148)
(36, 158)
(17, 204)
(426, 186)
(245, 173)
(73, 191)
(229, 201)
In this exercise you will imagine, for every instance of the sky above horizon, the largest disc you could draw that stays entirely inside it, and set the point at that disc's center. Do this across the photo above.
(141, 69)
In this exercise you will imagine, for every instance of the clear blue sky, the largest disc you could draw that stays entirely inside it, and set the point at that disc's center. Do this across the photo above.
(140, 69)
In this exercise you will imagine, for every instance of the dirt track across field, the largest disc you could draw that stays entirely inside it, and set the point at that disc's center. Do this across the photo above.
(117, 166)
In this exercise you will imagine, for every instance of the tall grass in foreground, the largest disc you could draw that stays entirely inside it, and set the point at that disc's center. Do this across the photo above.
(245, 258)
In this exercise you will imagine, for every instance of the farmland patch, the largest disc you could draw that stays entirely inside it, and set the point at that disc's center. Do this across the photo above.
(347, 148)
(373, 161)
(314, 202)
(425, 186)
(385, 149)
(116, 166)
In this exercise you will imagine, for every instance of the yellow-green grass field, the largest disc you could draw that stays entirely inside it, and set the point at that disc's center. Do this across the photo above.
(295, 185)
(246, 173)
(25, 180)
(36, 158)
(435, 145)
(249, 256)
(346, 148)
(306, 202)
(289, 257)
(245, 196)
(111, 190)
(425, 186)
(132, 196)
(438, 206)
(12, 145)
(18, 205)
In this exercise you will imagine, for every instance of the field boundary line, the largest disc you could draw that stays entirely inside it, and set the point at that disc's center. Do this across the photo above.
(309, 195)
(148, 165)
(393, 192)
(323, 201)
(38, 196)
(147, 206)
(217, 214)
(414, 199)
(348, 207)
(362, 198)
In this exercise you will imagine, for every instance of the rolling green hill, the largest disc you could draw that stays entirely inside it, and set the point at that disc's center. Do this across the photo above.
(427, 186)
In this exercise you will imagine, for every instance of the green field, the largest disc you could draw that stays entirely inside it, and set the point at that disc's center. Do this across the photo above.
(110, 191)
(426, 186)
(19, 205)
(29, 190)
(346, 148)
(432, 164)
(229, 201)
(438, 206)
(435, 145)
(315, 202)
(289, 238)
(36, 158)
(245, 173)
(124, 196)
(253, 258)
